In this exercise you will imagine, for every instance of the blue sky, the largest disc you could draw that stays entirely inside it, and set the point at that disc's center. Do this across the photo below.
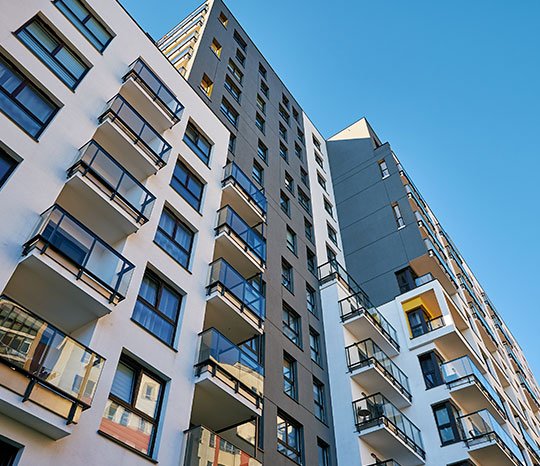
(453, 86)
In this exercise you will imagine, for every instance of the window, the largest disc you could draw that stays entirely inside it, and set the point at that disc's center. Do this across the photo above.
(132, 410)
(258, 173)
(232, 143)
(87, 24)
(259, 122)
(330, 254)
(265, 89)
(53, 52)
(7, 165)
(289, 376)
(287, 275)
(304, 201)
(295, 114)
(157, 308)
(187, 185)
(308, 228)
(384, 169)
(216, 47)
(232, 88)
(319, 160)
(285, 100)
(262, 151)
(332, 234)
(175, 238)
(298, 151)
(446, 419)
(261, 104)
(198, 143)
(323, 452)
(289, 183)
(285, 203)
(8, 453)
(316, 143)
(311, 262)
(283, 113)
(283, 152)
(328, 207)
(304, 176)
(300, 134)
(289, 438)
(430, 363)
(311, 300)
(240, 40)
(231, 114)
(406, 279)
(418, 322)
(291, 325)
(262, 70)
(315, 346)
(283, 132)
(223, 19)
(240, 57)
(319, 400)
(321, 181)
(207, 85)
(22, 102)
(291, 240)
(235, 71)
(397, 215)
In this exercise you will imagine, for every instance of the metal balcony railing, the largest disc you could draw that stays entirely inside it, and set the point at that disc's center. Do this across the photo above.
(385, 463)
(232, 172)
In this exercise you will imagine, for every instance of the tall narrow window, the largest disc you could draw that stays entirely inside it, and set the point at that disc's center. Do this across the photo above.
(397, 215)
(7, 165)
(261, 104)
(291, 325)
(287, 275)
(430, 363)
(232, 143)
(262, 151)
(323, 453)
(240, 40)
(198, 143)
(311, 261)
(311, 299)
(289, 183)
(298, 151)
(265, 89)
(223, 19)
(258, 173)
(308, 227)
(207, 85)
(185, 183)
(235, 71)
(328, 207)
(384, 169)
(315, 346)
(285, 203)
(231, 114)
(291, 240)
(260, 123)
(319, 400)
(132, 411)
(304, 200)
(158, 308)
(321, 181)
(232, 88)
(446, 418)
(283, 132)
(332, 234)
(289, 376)
(216, 47)
(289, 438)
(240, 57)
(53, 52)
(175, 237)
(262, 70)
(283, 152)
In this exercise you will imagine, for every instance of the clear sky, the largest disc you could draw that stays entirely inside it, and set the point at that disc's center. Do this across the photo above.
(453, 86)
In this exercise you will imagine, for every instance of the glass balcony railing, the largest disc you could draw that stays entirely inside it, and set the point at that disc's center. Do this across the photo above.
(82, 252)
(385, 463)
(480, 427)
(427, 326)
(47, 357)
(423, 279)
(375, 410)
(114, 180)
(137, 129)
(532, 446)
(240, 179)
(528, 388)
(227, 280)
(441, 260)
(235, 362)
(160, 93)
(366, 353)
(463, 370)
(204, 447)
(230, 222)
(480, 316)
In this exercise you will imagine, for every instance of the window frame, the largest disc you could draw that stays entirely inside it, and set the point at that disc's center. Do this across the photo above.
(236, 72)
(260, 123)
(319, 400)
(233, 89)
(284, 200)
(311, 307)
(257, 167)
(293, 244)
(328, 207)
(177, 222)
(289, 423)
(262, 151)
(216, 48)
(12, 165)
(292, 380)
(190, 175)
(289, 182)
(453, 416)
(287, 268)
(194, 144)
(311, 261)
(240, 41)
(398, 216)
(315, 346)
(291, 325)
(232, 115)
(208, 90)
(383, 167)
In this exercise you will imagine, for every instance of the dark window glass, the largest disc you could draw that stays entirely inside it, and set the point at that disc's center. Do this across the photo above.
(430, 364)
(231, 114)
(240, 40)
(289, 437)
(311, 262)
(233, 89)
(198, 143)
(262, 151)
(323, 451)
(258, 173)
(304, 201)
(446, 420)
(287, 275)
(187, 185)
(405, 279)
(311, 300)
(7, 165)
(308, 230)
(292, 325)
(319, 400)
(315, 346)
(235, 71)
(262, 70)
(289, 376)
(175, 237)
(8, 453)
(285, 204)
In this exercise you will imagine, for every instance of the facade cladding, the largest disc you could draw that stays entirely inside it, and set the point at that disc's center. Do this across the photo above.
(192, 275)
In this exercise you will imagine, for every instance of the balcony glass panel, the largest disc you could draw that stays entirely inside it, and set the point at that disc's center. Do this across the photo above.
(98, 165)
(221, 272)
(233, 360)
(256, 243)
(84, 250)
(47, 355)
(142, 73)
(138, 129)
(232, 171)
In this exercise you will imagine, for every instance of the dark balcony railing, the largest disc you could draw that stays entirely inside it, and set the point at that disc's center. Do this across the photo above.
(160, 93)
(86, 255)
(137, 129)
(47, 357)
(528, 388)
(227, 280)
(532, 446)
(238, 365)
(383, 412)
(479, 315)
(427, 326)
(114, 180)
(240, 179)
(231, 223)
(434, 252)
(480, 427)
(366, 353)
(203, 444)
(385, 463)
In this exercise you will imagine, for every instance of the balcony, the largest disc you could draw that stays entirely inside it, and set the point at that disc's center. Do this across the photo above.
(486, 332)
(67, 265)
(47, 379)
(143, 87)
(204, 447)
(386, 429)
(98, 187)
(374, 371)
(240, 193)
(229, 383)
(487, 442)
(242, 245)
(234, 303)
(135, 143)
(470, 388)
(385, 463)
(532, 397)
